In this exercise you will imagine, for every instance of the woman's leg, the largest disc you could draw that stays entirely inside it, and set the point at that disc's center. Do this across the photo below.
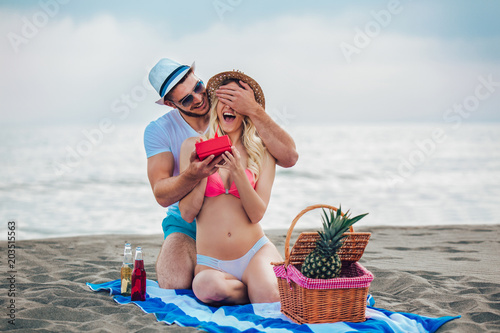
(215, 287)
(259, 275)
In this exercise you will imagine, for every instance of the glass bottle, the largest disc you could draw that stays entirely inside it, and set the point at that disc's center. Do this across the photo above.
(126, 270)
(138, 277)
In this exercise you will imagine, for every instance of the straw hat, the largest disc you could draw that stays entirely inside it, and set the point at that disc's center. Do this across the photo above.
(215, 82)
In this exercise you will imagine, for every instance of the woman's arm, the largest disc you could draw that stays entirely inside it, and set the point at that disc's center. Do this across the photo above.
(254, 201)
(190, 205)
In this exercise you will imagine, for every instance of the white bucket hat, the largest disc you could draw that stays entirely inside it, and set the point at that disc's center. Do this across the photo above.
(165, 75)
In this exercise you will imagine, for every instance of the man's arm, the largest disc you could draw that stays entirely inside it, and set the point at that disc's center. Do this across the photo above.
(279, 143)
(168, 189)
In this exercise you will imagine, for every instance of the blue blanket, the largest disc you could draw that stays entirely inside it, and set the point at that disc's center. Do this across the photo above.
(182, 308)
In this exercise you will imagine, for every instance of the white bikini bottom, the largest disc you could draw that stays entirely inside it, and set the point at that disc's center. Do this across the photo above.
(234, 267)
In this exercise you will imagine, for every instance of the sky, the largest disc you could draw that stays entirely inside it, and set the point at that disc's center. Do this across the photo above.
(75, 61)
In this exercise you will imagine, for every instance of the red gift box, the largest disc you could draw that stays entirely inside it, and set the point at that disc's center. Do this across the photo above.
(215, 146)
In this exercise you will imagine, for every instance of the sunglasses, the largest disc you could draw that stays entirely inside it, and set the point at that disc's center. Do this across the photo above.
(188, 99)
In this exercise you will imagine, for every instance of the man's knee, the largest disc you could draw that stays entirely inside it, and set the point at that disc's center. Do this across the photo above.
(178, 247)
(176, 262)
(167, 281)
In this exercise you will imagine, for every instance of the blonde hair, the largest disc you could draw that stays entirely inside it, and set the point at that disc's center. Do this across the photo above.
(250, 139)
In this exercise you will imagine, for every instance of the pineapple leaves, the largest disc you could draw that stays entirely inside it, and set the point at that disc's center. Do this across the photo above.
(335, 225)
(324, 262)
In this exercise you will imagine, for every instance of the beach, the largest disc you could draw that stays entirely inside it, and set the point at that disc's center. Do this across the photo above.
(431, 271)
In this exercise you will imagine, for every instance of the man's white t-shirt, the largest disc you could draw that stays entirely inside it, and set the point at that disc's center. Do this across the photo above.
(166, 134)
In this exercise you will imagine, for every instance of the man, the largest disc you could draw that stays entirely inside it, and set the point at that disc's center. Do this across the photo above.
(180, 89)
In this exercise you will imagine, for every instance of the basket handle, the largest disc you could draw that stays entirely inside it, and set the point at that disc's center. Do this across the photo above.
(294, 222)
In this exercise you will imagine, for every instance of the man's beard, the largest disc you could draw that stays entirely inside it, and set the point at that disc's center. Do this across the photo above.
(192, 114)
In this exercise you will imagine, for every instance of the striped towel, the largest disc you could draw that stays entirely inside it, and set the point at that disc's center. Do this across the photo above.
(184, 309)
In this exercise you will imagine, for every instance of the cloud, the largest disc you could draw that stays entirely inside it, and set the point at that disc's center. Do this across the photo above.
(75, 71)
(301, 67)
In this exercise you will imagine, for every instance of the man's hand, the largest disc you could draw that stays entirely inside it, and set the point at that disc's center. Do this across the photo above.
(200, 169)
(241, 100)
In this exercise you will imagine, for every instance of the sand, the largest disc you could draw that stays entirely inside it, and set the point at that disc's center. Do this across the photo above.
(436, 271)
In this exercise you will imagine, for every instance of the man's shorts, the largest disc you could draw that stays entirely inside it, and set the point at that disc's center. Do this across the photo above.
(174, 223)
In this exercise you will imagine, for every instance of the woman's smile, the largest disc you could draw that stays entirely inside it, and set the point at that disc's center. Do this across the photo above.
(228, 118)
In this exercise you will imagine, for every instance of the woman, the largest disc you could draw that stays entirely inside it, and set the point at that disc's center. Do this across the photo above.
(233, 254)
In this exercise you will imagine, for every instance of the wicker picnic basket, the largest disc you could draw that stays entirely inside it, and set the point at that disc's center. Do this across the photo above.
(306, 300)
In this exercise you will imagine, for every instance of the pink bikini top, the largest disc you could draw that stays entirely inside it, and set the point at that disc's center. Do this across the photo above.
(215, 186)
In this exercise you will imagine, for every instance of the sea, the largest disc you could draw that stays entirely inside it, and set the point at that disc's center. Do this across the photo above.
(73, 180)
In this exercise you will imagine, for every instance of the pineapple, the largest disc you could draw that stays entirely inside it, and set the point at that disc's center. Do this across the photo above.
(324, 262)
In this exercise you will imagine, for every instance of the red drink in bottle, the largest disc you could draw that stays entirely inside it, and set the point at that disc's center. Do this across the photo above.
(138, 277)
